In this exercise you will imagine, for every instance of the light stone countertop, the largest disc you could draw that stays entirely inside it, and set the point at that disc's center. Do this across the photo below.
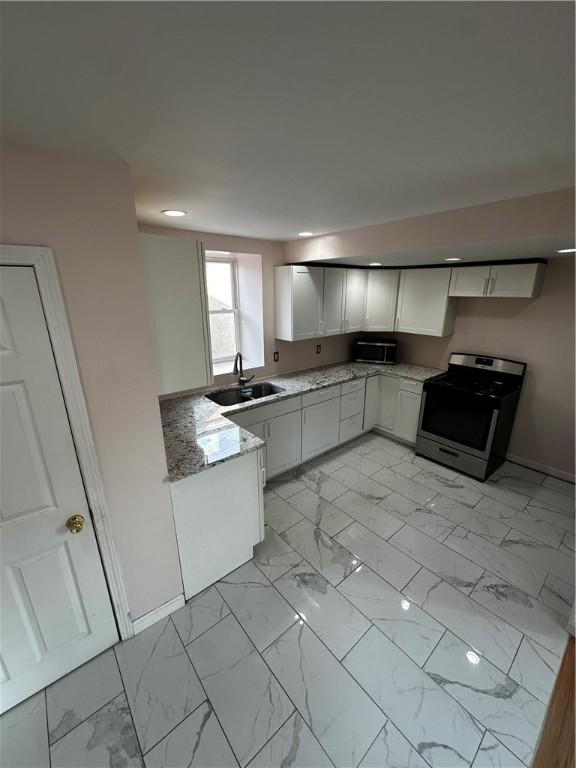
(197, 434)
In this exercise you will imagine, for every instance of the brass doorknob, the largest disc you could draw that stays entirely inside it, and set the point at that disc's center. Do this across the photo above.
(75, 523)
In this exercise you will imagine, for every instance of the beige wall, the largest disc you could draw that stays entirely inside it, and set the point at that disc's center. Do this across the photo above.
(84, 211)
(539, 332)
(550, 213)
(293, 356)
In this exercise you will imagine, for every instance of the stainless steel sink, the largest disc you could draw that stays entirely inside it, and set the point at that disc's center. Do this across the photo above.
(244, 394)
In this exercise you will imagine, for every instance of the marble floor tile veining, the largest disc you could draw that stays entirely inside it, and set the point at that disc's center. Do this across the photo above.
(396, 615)
(413, 701)
(106, 738)
(493, 754)
(75, 697)
(249, 702)
(494, 638)
(497, 701)
(333, 618)
(413, 630)
(161, 684)
(340, 714)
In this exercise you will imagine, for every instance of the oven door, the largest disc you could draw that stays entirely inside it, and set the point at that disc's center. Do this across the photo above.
(458, 420)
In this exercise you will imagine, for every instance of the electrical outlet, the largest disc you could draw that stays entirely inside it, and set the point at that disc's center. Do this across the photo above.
(276, 356)
(318, 348)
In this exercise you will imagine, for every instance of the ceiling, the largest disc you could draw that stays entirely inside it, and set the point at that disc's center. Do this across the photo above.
(268, 118)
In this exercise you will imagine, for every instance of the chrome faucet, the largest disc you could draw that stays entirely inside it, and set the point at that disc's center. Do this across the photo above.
(239, 371)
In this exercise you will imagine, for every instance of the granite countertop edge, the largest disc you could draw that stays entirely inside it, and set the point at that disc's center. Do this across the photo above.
(198, 435)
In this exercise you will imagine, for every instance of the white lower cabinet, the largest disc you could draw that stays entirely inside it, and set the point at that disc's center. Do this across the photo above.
(372, 403)
(350, 427)
(389, 388)
(320, 427)
(218, 515)
(407, 413)
(283, 437)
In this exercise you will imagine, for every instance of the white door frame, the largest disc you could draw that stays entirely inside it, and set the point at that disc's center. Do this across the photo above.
(42, 260)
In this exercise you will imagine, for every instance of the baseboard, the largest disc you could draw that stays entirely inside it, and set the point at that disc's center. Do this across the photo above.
(145, 621)
(559, 473)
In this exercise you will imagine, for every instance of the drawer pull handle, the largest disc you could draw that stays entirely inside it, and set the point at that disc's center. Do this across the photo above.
(450, 453)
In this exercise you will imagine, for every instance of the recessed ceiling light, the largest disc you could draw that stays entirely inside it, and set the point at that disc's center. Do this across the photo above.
(305, 234)
(567, 250)
(375, 264)
(472, 657)
(174, 212)
(453, 258)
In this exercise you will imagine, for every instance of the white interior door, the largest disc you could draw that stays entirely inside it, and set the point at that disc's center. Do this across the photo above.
(56, 611)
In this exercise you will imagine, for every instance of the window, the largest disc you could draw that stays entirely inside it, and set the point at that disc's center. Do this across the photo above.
(221, 281)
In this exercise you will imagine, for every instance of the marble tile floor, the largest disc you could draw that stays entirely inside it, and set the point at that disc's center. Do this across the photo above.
(397, 614)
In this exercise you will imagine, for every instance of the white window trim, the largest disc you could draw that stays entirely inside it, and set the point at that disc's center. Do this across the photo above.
(217, 361)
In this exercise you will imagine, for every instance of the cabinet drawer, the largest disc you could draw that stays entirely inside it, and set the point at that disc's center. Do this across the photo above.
(353, 386)
(351, 404)
(411, 386)
(263, 412)
(311, 398)
(351, 427)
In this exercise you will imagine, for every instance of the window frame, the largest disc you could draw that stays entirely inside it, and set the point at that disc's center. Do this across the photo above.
(235, 310)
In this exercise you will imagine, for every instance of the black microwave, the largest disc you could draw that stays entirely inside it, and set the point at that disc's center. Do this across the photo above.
(378, 351)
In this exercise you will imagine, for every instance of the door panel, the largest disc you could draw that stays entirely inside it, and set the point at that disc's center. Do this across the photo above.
(308, 289)
(407, 415)
(423, 302)
(283, 443)
(469, 281)
(56, 611)
(515, 280)
(389, 388)
(320, 427)
(355, 309)
(334, 284)
(381, 298)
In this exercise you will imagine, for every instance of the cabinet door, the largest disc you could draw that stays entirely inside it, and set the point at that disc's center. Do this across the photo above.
(178, 306)
(389, 388)
(320, 427)
(469, 281)
(372, 403)
(423, 303)
(515, 280)
(355, 302)
(407, 413)
(381, 298)
(334, 283)
(307, 297)
(283, 443)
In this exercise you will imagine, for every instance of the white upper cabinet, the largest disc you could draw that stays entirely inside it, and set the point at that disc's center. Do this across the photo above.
(298, 297)
(355, 302)
(469, 281)
(334, 297)
(177, 298)
(381, 298)
(520, 281)
(344, 300)
(498, 280)
(423, 303)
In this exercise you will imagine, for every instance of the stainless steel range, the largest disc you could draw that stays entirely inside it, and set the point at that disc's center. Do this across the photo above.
(467, 413)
